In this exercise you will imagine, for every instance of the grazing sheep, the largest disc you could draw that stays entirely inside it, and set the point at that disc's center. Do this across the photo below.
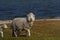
(19, 24)
(2, 27)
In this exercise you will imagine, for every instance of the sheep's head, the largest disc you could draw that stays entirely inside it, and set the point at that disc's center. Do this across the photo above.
(4, 26)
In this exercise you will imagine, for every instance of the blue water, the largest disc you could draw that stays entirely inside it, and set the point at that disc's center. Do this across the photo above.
(10, 9)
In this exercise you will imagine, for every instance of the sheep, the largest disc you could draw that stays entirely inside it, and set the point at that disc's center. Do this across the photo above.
(2, 27)
(19, 24)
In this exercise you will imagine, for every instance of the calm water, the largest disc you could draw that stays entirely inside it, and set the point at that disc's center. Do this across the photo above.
(10, 9)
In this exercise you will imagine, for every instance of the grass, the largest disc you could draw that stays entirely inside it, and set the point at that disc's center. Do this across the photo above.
(41, 30)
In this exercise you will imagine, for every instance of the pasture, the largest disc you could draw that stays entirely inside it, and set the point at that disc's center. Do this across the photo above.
(41, 30)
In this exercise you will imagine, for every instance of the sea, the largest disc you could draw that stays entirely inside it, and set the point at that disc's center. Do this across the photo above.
(10, 9)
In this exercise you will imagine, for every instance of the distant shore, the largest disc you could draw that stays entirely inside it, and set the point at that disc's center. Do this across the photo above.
(9, 21)
(47, 19)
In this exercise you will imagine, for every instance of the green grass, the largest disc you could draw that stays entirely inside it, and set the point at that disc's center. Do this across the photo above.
(41, 30)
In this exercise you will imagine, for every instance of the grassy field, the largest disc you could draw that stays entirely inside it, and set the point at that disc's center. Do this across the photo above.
(41, 30)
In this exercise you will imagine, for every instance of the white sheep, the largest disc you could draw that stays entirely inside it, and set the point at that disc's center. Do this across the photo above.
(19, 24)
(2, 27)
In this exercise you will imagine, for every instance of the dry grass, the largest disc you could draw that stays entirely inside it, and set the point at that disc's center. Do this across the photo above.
(41, 30)
(47, 28)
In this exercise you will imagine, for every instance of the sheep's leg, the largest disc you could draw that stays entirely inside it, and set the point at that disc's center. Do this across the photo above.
(1, 34)
(28, 33)
(14, 34)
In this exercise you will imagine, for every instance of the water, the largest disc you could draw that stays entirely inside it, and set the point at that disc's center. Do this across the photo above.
(10, 9)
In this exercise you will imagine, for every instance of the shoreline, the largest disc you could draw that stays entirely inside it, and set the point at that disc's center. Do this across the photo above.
(9, 21)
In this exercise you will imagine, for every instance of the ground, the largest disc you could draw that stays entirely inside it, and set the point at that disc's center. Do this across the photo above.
(41, 30)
